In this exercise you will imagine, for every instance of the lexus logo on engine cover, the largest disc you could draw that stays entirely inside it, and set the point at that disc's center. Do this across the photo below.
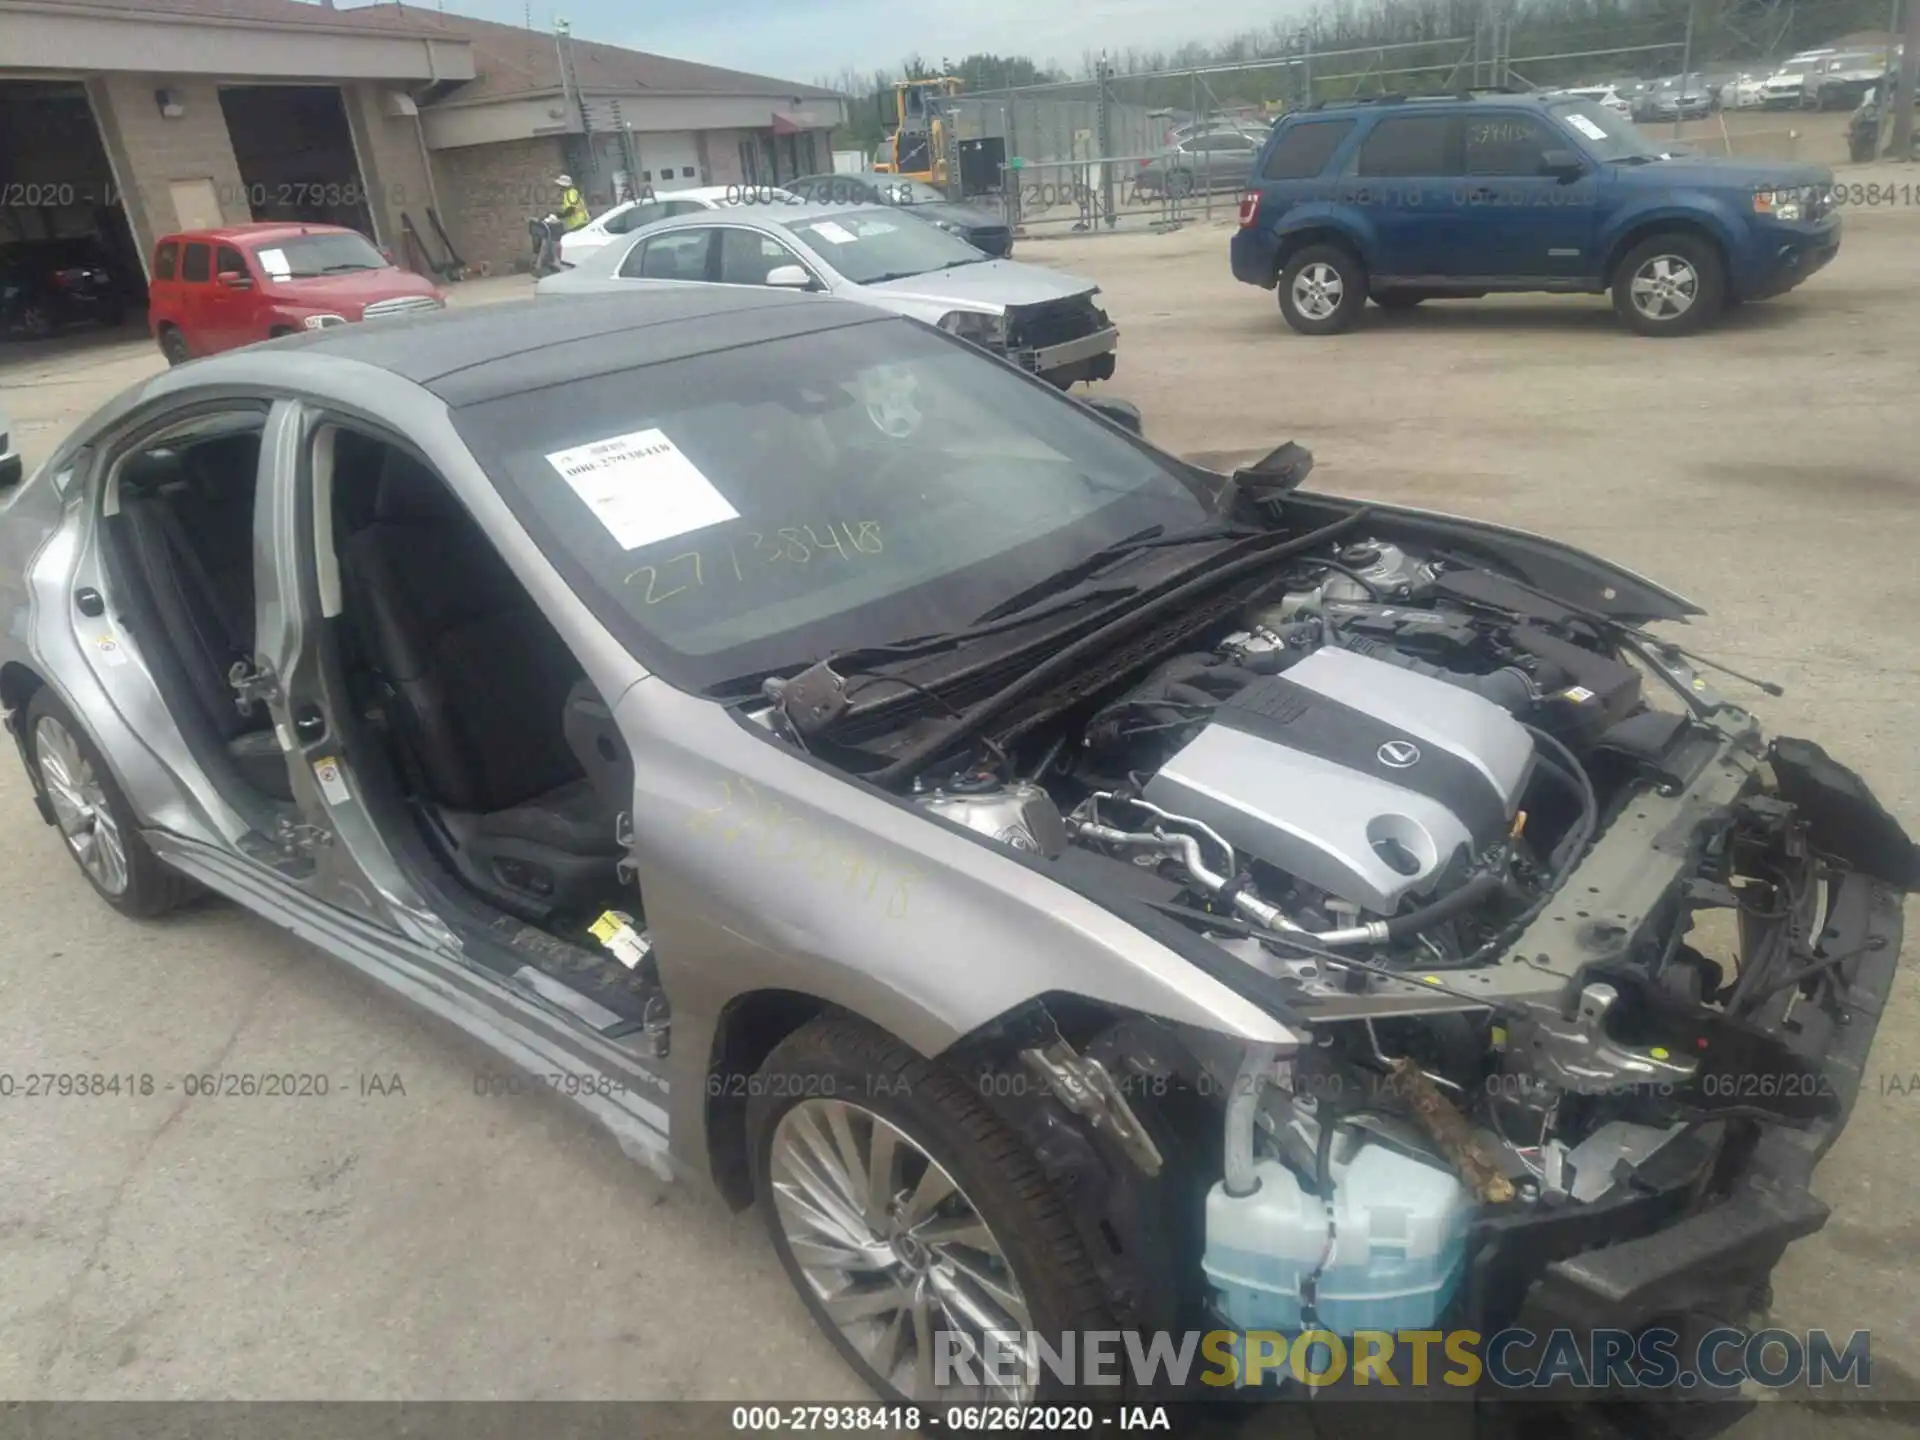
(1398, 754)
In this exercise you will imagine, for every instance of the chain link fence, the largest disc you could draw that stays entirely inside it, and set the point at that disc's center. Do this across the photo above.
(1164, 147)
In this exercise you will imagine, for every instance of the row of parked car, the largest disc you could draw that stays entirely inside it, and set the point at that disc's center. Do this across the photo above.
(1394, 200)
(879, 239)
(1823, 79)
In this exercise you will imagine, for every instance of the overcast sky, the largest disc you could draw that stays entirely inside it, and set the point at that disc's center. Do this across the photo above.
(811, 39)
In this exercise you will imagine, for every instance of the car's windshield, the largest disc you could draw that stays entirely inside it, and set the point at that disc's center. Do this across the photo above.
(1796, 67)
(300, 257)
(757, 507)
(868, 246)
(1607, 136)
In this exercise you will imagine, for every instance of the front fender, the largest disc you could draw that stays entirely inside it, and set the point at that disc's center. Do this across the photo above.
(1573, 575)
(1696, 209)
(763, 870)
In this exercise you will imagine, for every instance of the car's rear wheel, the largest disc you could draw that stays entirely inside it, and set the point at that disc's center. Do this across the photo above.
(173, 345)
(909, 1218)
(1322, 290)
(93, 816)
(1670, 284)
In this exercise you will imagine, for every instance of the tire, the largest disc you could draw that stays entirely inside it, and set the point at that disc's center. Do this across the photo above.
(1179, 184)
(842, 1081)
(1396, 299)
(173, 345)
(94, 819)
(37, 320)
(1665, 271)
(1333, 290)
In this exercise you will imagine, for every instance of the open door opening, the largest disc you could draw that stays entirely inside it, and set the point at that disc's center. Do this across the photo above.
(296, 155)
(177, 533)
(488, 761)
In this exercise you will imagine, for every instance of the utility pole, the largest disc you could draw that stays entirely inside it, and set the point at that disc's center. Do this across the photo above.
(1686, 69)
(1901, 146)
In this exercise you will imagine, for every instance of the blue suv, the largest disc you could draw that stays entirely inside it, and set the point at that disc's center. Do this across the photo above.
(1401, 200)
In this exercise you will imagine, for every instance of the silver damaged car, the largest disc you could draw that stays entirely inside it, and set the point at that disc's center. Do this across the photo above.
(1064, 888)
(1033, 316)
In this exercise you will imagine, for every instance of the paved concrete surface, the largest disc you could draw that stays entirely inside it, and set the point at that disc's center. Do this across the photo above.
(440, 1244)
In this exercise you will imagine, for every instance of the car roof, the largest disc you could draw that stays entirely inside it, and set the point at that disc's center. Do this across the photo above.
(260, 230)
(719, 194)
(1395, 104)
(470, 354)
(784, 214)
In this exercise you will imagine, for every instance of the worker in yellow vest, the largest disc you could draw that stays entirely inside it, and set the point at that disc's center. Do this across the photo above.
(571, 215)
(573, 209)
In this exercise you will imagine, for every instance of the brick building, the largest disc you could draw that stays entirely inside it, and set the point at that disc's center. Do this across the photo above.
(125, 119)
(617, 120)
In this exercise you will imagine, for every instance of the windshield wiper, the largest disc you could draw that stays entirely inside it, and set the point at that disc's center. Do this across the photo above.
(885, 276)
(1152, 538)
(970, 260)
(345, 265)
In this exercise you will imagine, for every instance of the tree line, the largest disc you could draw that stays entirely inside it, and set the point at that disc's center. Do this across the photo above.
(1599, 40)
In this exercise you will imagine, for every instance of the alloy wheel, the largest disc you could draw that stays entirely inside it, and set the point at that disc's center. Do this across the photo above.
(80, 805)
(1665, 287)
(893, 1250)
(1317, 291)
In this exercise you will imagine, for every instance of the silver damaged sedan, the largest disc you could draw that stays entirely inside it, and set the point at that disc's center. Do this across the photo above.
(1064, 888)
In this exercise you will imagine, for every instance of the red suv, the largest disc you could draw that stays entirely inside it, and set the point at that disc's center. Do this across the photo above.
(216, 289)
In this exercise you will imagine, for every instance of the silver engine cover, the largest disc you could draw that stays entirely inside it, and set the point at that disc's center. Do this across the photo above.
(1353, 775)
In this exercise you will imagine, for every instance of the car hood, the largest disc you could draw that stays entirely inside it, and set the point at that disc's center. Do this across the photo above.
(355, 288)
(970, 217)
(1717, 171)
(989, 285)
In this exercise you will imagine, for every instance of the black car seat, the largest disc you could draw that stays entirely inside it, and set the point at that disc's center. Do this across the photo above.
(189, 516)
(475, 683)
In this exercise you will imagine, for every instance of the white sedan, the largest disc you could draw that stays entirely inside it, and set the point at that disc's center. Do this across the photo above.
(1605, 96)
(576, 245)
(1036, 317)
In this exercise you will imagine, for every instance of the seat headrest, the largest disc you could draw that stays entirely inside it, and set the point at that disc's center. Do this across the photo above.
(411, 494)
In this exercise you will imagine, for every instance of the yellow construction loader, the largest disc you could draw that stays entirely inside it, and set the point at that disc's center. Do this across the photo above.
(919, 126)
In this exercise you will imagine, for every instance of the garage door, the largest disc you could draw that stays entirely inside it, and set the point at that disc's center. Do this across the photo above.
(669, 160)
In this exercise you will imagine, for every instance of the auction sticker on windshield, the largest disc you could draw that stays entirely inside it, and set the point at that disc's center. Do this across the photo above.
(642, 488)
(274, 262)
(1586, 127)
(831, 230)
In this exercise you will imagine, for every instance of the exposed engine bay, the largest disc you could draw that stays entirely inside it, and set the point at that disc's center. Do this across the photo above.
(1464, 839)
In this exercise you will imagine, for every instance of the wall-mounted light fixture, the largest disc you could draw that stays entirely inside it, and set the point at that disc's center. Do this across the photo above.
(169, 103)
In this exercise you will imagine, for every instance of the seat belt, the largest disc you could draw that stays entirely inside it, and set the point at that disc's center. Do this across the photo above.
(203, 582)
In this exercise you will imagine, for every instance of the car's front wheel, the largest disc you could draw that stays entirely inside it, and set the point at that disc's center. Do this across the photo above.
(1322, 290)
(910, 1219)
(93, 816)
(1670, 285)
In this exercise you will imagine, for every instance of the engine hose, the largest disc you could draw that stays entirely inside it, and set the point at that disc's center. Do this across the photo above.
(1566, 855)
(1476, 891)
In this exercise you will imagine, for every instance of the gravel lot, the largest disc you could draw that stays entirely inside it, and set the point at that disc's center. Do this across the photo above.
(440, 1244)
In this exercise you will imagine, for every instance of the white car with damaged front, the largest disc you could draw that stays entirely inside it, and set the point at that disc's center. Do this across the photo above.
(1042, 320)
